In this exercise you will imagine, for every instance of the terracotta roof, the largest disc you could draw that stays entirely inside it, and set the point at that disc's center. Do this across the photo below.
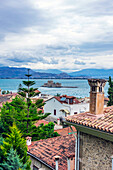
(37, 91)
(41, 121)
(65, 131)
(7, 98)
(47, 149)
(67, 97)
(103, 122)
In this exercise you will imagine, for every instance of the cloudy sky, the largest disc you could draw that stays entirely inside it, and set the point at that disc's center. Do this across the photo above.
(64, 34)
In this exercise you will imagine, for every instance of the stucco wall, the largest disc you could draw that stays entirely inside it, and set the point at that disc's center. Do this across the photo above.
(95, 153)
(38, 164)
(55, 104)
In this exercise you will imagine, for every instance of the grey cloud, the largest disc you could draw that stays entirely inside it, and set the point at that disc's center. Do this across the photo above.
(79, 62)
(92, 63)
(17, 15)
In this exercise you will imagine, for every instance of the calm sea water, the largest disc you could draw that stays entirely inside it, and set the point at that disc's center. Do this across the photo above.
(81, 91)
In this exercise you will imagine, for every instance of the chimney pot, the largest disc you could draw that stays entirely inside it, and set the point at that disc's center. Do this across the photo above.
(28, 140)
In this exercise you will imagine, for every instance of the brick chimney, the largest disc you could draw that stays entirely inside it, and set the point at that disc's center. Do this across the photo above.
(96, 95)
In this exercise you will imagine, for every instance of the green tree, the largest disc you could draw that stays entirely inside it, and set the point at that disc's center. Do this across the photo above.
(14, 140)
(44, 131)
(16, 111)
(12, 162)
(3, 92)
(28, 92)
(110, 92)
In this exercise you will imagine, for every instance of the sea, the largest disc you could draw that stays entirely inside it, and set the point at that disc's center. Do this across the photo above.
(81, 91)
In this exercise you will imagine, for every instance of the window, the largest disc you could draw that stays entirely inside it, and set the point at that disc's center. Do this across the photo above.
(71, 100)
(93, 88)
(100, 89)
(35, 168)
(75, 113)
(54, 111)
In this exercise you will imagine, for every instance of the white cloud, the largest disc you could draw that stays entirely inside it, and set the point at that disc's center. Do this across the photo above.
(57, 32)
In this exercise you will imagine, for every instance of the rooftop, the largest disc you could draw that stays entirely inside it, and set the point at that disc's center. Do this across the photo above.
(103, 122)
(47, 149)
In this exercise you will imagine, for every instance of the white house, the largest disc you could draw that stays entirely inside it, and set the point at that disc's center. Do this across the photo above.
(62, 106)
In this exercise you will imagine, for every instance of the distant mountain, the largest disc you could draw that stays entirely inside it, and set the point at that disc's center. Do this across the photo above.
(93, 73)
(53, 71)
(13, 72)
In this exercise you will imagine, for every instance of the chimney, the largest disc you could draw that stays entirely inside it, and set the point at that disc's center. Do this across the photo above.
(96, 95)
(58, 121)
(56, 160)
(28, 140)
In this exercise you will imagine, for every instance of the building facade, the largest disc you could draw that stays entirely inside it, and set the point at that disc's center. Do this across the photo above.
(65, 105)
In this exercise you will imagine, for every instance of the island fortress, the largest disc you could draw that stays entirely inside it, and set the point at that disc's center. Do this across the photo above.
(52, 84)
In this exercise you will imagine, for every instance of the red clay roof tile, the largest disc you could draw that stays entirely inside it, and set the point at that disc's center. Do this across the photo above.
(62, 146)
(102, 122)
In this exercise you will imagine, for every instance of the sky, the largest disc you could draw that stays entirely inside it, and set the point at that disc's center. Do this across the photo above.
(68, 35)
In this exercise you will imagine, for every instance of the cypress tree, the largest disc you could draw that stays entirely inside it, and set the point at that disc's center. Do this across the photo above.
(110, 92)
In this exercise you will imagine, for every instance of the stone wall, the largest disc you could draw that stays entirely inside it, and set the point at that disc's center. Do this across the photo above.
(95, 153)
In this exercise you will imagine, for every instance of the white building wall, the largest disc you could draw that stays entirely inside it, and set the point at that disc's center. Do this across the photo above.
(79, 108)
(55, 104)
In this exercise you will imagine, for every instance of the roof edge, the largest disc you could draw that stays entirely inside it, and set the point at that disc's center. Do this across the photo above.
(30, 154)
(95, 132)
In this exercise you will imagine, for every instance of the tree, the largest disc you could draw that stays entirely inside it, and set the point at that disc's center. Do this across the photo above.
(3, 92)
(44, 131)
(12, 162)
(16, 111)
(29, 92)
(110, 92)
(19, 87)
(14, 140)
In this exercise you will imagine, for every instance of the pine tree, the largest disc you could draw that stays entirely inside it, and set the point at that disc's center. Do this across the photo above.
(28, 92)
(12, 162)
(14, 140)
(110, 92)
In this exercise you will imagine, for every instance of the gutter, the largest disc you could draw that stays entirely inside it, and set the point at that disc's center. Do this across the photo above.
(92, 131)
(30, 154)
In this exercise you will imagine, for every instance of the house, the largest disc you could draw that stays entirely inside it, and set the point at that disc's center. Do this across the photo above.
(52, 153)
(45, 122)
(94, 131)
(7, 98)
(61, 106)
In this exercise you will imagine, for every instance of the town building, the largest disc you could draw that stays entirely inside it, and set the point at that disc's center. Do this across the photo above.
(62, 106)
(7, 98)
(94, 147)
(52, 153)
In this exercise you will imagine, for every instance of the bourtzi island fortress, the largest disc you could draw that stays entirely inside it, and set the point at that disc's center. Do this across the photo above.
(52, 84)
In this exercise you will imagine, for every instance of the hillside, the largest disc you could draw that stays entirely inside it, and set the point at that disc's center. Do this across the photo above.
(93, 73)
(12, 72)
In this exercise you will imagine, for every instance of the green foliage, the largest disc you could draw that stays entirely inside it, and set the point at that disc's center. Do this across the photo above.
(13, 162)
(110, 92)
(58, 94)
(3, 92)
(44, 131)
(14, 140)
(29, 92)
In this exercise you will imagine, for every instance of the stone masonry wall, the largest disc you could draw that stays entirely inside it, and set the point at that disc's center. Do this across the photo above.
(95, 153)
